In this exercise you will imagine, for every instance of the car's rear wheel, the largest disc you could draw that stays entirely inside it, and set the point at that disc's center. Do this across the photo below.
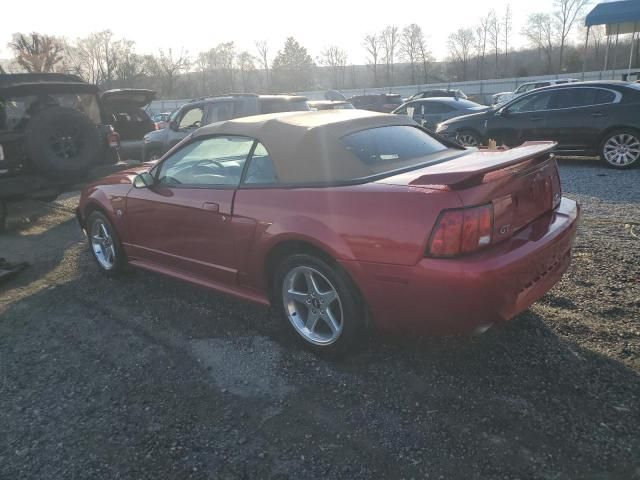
(105, 244)
(467, 138)
(621, 149)
(320, 303)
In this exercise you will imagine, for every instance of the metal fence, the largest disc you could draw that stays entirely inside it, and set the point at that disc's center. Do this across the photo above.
(481, 91)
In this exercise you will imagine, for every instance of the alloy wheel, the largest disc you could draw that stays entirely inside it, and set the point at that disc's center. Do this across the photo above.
(467, 140)
(622, 149)
(102, 244)
(312, 305)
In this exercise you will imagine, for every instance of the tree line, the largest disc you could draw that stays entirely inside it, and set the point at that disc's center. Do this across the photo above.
(394, 56)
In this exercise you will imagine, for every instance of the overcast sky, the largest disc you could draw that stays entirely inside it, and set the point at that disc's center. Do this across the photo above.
(197, 25)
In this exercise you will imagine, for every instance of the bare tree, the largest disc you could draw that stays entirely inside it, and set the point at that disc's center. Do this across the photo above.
(246, 65)
(37, 53)
(539, 31)
(372, 46)
(129, 65)
(263, 51)
(336, 59)
(460, 44)
(425, 57)
(167, 66)
(482, 34)
(390, 40)
(507, 27)
(565, 17)
(495, 27)
(226, 53)
(410, 42)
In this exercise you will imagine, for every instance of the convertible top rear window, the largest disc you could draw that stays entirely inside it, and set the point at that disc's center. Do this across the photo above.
(385, 149)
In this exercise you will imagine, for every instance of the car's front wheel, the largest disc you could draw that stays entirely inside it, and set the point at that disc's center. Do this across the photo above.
(320, 303)
(467, 138)
(105, 244)
(621, 149)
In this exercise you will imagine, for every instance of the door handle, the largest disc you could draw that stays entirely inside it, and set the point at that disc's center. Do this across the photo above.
(535, 119)
(597, 114)
(211, 207)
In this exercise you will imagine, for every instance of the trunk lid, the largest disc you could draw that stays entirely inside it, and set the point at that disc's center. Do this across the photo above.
(522, 183)
(131, 97)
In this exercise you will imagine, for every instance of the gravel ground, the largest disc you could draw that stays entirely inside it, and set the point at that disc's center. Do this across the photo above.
(145, 377)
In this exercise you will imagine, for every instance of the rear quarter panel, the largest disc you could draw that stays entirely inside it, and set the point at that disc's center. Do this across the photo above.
(369, 223)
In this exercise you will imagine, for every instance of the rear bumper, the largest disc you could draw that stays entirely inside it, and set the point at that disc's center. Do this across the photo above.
(440, 296)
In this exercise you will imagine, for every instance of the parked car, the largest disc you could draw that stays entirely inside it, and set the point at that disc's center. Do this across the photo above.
(587, 118)
(161, 120)
(203, 111)
(343, 221)
(438, 92)
(385, 102)
(429, 112)
(503, 97)
(330, 105)
(52, 125)
(125, 110)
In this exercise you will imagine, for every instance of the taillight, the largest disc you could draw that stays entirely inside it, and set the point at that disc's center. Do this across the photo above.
(113, 139)
(461, 231)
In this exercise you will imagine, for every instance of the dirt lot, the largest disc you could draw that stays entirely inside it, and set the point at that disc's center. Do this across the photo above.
(145, 377)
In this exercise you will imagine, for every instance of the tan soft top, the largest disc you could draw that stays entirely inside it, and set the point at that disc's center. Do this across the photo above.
(305, 147)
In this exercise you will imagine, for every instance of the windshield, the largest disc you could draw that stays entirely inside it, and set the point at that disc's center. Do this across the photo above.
(468, 104)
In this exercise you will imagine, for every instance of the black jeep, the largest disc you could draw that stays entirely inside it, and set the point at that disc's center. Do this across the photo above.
(52, 125)
(53, 130)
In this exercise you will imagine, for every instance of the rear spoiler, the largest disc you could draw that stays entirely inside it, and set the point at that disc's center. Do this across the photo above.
(462, 169)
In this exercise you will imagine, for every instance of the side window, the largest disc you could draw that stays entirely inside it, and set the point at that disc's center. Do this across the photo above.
(261, 170)
(191, 118)
(604, 96)
(574, 97)
(531, 103)
(213, 161)
(433, 108)
(220, 111)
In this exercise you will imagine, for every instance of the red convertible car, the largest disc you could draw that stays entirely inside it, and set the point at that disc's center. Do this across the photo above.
(343, 220)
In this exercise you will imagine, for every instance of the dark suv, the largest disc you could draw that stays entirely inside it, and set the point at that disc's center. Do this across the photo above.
(202, 111)
(53, 126)
(585, 118)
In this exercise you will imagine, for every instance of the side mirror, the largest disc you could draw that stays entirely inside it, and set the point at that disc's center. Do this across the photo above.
(502, 112)
(143, 180)
(173, 125)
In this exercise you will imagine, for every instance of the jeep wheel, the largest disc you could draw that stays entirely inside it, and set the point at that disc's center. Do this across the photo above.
(62, 143)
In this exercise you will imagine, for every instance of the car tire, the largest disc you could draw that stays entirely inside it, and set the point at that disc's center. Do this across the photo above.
(104, 244)
(320, 304)
(62, 143)
(467, 138)
(620, 149)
